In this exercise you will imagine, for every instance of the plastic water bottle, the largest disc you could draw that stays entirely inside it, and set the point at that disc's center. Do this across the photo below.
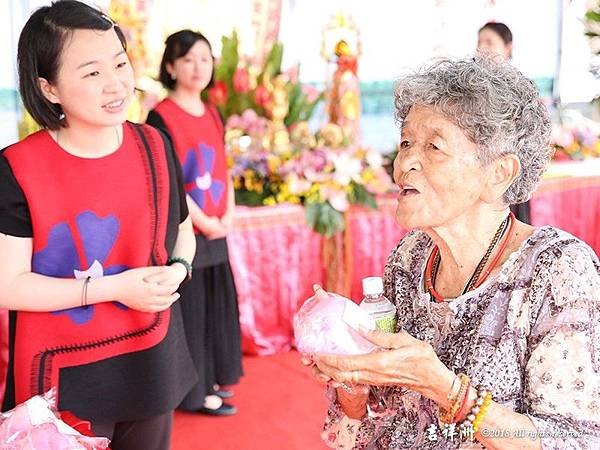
(377, 305)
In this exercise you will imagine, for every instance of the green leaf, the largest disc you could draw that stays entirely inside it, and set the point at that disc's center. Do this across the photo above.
(272, 64)
(309, 108)
(296, 101)
(229, 59)
(594, 16)
(360, 196)
(249, 198)
(324, 219)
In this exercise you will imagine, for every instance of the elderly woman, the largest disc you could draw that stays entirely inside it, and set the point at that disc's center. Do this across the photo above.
(498, 338)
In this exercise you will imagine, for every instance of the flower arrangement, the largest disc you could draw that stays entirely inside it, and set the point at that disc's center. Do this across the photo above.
(273, 155)
(576, 138)
(322, 171)
(268, 91)
(573, 142)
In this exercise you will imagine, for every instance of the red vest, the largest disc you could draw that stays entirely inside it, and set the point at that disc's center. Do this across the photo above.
(199, 143)
(90, 217)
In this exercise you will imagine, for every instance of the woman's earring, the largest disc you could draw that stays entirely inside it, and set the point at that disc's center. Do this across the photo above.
(61, 116)
(173, 77)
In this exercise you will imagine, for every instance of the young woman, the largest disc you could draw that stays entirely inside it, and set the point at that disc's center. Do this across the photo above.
(95, 238)
(495, 37)
(209, 302)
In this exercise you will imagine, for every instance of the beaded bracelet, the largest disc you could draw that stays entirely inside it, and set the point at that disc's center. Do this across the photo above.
(448, 415)
(478, 410)
(184, 263)
(482, 411)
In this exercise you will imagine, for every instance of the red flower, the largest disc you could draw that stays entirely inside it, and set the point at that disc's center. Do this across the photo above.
(241, 81)
(217, 95)
(262, 96)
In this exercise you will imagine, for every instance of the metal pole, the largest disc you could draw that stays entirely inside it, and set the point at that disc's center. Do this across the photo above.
(556, 100)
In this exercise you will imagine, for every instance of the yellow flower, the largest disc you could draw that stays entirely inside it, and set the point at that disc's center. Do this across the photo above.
(230, 161)
(273, 162)
(269, 201)
(367, 175)
(361, 153)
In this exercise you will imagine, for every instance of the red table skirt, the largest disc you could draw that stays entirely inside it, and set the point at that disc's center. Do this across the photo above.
(572, 205)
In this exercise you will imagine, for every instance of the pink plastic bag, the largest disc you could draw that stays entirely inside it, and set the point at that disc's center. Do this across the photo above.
(326, 323)
(35, 425)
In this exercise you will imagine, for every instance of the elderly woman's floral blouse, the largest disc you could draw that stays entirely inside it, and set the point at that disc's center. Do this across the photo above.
(530, 335)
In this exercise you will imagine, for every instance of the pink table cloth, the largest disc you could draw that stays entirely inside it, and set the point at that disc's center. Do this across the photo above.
(572, 205)
(275, 259)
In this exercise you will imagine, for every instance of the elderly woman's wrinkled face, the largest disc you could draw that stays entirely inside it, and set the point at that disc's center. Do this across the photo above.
(436, 169)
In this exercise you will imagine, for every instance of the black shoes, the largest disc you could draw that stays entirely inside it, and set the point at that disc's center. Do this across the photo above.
(223, 410)
(223, 393)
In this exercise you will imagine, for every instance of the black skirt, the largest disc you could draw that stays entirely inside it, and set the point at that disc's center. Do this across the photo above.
(211, 322)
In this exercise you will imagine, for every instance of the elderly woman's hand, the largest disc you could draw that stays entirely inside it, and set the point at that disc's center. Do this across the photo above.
(403, 361)
(352, 398)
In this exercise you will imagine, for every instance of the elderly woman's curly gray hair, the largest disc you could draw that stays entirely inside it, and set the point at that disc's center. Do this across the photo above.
(494, 104)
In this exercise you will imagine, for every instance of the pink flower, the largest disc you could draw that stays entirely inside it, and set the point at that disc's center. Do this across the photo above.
(292, 74)
(562, 136)
(249, 117)
(241, 80)
(337, 198)
(297, 185)
(311, 92)
(234, 121)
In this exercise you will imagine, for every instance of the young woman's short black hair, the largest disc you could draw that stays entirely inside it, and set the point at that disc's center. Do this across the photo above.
(176, 46)
(501, 30)
(40, 46)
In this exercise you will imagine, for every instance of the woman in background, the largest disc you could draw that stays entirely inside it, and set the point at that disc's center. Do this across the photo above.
(209, 302)
(495, 37)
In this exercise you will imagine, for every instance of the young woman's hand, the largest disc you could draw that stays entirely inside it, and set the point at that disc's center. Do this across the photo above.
(148, 289)
(172, 275)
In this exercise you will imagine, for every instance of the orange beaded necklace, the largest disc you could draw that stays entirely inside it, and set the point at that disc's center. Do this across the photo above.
(433, 262)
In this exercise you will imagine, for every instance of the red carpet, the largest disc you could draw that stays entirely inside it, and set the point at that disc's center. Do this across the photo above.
(279, 407)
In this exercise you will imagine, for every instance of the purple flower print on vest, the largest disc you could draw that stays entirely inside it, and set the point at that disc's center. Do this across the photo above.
(198, 170)
(60, 257)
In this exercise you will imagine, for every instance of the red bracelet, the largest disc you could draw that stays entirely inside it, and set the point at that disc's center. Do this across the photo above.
(462, 411)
